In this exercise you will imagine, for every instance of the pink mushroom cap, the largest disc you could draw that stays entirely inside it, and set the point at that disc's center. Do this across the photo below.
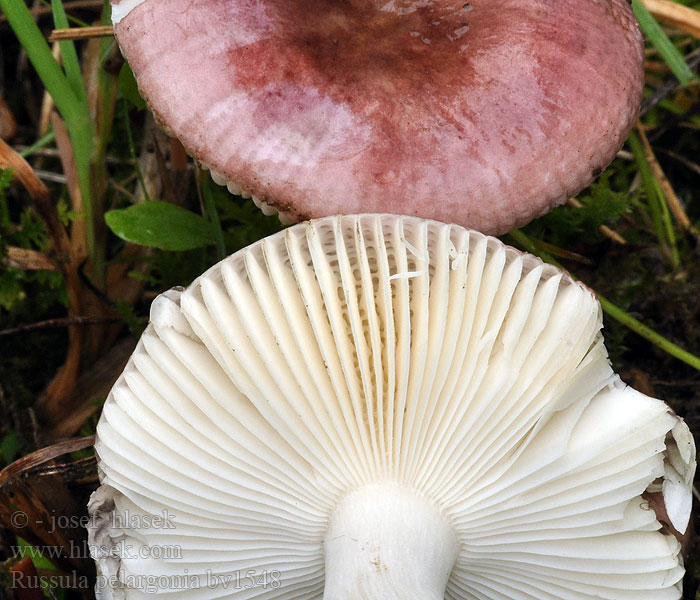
(485, 114)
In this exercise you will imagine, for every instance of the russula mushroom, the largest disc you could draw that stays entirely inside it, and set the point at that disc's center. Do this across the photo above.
(486, 113)
(385, 407)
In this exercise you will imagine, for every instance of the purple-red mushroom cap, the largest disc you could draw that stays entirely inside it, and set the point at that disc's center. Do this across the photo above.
(485, 114)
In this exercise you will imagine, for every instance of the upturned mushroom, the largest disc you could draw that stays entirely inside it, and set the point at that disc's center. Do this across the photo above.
(486, 113)
(385, 407)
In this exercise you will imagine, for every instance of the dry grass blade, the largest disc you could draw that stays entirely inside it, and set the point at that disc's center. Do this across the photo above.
(671, 13)
(65, 151)
(22, 570)
(44, 455)
(674, 203)
(28, 260)
(36, 490)
(8, 125)
(669, 86)
(70, 252)
(178, 155)
(39, 193)
(81, 33)
(63, 382)
(604, 229)
(563, 252)
(47, 102)
(63, 322)
(92, 386)
(681, 159)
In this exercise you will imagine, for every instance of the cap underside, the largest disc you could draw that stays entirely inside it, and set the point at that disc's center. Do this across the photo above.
(354, 350)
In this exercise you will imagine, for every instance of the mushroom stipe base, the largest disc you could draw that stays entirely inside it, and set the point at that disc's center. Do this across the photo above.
(388, 541)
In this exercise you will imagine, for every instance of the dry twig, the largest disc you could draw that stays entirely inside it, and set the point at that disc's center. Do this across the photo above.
(81, 33)
(61, 322)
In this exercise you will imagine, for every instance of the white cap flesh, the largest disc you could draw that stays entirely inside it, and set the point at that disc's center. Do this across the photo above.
(384, 407)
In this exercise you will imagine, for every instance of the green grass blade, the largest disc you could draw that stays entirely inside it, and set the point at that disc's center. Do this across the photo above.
(648, 180)
(663, 44)
(649, 334)
(132, 150)
(212, 213)
(69, 104)
(40, 143)
(667, 223)
(39, 54)
(660, 213)
(71, 64)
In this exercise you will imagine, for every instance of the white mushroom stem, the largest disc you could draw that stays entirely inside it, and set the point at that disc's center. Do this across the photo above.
(386, 541)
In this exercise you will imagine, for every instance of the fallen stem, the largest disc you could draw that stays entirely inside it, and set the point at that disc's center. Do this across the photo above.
(81, 33)
(615, 311)
(60, 322)
(649, 334)
(40, 143)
